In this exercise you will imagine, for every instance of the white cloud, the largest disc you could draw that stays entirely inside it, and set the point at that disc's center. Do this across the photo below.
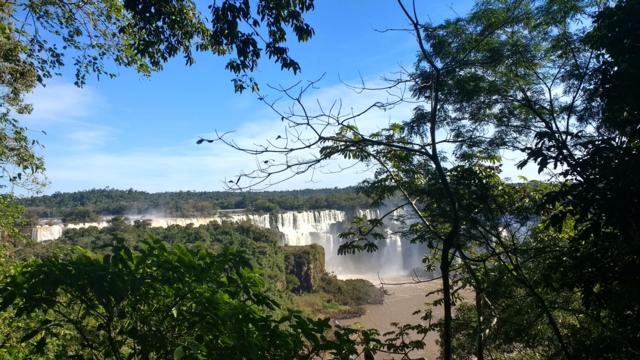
(187, 168)
(68, 115)
(59, 102)
(183, 165)
(88, 136)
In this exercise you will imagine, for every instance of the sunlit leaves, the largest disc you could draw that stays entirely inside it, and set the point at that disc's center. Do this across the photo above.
(242, 30)
(156, 301)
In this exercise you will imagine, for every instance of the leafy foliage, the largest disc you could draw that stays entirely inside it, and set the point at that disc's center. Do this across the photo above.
(182, 291)
(156, 32)
(20, 163)
(615, 38)
(145, 35)
(551, 266)
(11, 218)
(157, 301)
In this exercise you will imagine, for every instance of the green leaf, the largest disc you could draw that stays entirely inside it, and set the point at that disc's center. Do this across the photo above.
(178, 353)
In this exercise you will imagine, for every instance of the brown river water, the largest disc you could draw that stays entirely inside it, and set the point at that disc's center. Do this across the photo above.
(399, 305)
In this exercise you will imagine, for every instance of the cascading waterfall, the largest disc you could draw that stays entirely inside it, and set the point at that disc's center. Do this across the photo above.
(301, 228)
(259, 220)
(394, 257)
(47, 232)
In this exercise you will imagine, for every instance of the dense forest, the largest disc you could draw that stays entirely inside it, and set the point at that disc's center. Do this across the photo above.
(89, 205)
(292, 277)
(547, 269)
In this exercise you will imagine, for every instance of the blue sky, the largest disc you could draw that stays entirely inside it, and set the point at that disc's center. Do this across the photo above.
(134, 132)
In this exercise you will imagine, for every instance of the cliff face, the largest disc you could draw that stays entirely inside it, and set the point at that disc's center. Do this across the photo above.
(306, 263)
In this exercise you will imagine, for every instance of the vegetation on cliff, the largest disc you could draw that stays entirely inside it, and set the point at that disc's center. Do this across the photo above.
(306, 264)
(295, 269)
(320, 294)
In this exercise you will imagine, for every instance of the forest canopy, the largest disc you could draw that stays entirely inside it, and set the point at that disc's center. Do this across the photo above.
(131, 291)
(104, 202)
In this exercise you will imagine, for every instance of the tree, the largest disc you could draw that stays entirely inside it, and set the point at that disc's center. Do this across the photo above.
(615, 38)
(18, 162)
(11, 218)
(536, 77)
(157, 301)
(141, 292)
(549, 86)
(38, 38)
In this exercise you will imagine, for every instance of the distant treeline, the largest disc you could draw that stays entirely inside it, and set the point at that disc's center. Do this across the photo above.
(89, 205)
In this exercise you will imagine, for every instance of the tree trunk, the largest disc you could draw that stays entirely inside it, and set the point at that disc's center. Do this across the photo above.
(446, 295)
(479, 313)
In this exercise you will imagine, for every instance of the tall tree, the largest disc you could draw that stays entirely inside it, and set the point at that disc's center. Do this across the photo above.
(536, 77)
(38, 38)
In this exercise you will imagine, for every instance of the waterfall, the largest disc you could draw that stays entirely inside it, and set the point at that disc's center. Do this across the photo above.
(302, 228)
(47, 232)
(307, 227)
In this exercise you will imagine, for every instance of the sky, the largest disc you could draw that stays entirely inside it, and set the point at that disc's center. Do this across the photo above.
(137, 132)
